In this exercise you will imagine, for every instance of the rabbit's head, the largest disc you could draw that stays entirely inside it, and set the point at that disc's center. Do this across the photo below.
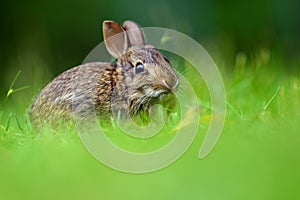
(144, 73)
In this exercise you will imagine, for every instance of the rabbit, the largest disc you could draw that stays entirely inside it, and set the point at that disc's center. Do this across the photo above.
(139, 75)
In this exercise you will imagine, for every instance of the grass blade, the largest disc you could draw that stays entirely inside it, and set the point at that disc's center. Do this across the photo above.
(10, 91)
(8, 122)
(18, 123)
(272, 98)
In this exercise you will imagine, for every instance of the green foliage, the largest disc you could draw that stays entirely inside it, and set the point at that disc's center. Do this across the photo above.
(255, 158)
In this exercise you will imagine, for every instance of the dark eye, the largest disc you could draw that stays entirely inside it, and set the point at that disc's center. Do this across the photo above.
(139, 68)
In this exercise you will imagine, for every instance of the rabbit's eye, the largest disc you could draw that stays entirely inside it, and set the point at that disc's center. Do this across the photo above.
(139, 68)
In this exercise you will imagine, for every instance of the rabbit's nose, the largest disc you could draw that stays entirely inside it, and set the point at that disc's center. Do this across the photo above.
(171, 83)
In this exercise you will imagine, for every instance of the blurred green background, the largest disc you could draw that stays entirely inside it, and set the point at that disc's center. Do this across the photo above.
(62, 33)
(256, 45)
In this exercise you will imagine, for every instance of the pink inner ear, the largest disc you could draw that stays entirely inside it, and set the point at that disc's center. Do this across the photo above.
(115, 38)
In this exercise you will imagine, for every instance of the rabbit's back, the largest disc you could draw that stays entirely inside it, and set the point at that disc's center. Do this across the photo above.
(77, 90)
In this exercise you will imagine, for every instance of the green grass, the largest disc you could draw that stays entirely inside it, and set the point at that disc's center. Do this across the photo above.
(257, 156)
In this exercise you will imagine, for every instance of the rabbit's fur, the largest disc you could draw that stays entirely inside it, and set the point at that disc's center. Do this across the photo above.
(122, 86)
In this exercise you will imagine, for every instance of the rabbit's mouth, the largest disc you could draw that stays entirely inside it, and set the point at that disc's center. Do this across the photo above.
(148, 96)
(155, 92)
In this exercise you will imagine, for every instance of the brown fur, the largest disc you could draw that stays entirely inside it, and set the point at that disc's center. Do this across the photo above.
(103, 87)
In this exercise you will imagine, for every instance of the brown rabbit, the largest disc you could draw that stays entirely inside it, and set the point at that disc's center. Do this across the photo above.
(140, 75)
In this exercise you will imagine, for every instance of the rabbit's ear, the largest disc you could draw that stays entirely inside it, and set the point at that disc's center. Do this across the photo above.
(115, 38)
(134, 33)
